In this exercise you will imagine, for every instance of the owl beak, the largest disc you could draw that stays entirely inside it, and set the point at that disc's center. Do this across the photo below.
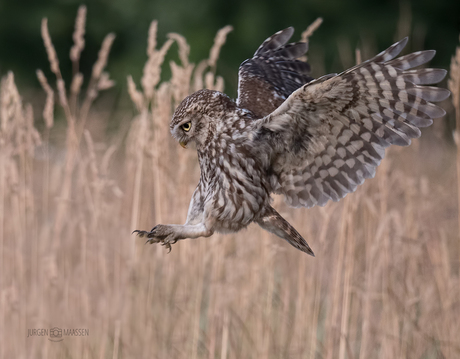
(183, 144)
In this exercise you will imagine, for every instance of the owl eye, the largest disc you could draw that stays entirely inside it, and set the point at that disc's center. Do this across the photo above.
(186, 126)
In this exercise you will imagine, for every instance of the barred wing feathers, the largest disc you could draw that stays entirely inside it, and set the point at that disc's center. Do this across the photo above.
(272, 74)
(331, 134)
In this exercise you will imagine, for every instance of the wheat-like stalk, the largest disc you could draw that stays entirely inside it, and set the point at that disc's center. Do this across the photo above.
(152, 68)
(210, 80)
(78, 38)
(48, 110)
(93, 86)
(305, 37)
(50, 50)
(76, 116)
(219, 41)
(311, 29)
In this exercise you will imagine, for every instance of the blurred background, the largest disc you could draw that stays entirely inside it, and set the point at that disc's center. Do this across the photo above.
(372, 25)
(86, 157)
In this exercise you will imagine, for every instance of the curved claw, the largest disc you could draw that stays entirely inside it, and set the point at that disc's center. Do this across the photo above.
(140, 233)
(167, 245)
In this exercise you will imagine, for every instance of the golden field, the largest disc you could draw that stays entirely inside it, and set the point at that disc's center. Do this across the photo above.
(385, 282)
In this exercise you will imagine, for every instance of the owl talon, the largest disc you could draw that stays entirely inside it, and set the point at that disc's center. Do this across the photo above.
(140, 233)
(153, 240)
(167, 245)
(158, 234)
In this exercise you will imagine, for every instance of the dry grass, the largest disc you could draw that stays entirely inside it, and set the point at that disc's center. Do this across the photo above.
(384, 283)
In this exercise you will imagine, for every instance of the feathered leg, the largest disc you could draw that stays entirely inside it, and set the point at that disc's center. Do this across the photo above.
(274, 223)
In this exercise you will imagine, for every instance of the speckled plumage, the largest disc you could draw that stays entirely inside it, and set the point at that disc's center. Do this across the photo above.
(310, 140)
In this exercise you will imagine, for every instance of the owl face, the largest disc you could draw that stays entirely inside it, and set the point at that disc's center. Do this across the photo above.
(189, 126)
(194, 119)
(185, 130)
(187, 122)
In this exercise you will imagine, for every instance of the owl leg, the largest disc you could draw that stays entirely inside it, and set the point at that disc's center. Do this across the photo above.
(196, 226)
(274, 223)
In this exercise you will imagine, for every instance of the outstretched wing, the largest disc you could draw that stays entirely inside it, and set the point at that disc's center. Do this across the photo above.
(331, 134)
(273, 73)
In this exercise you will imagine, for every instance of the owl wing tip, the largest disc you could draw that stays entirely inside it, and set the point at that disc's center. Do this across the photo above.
(369, 107)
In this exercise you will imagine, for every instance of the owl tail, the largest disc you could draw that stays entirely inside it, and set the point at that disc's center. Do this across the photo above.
(274, 223)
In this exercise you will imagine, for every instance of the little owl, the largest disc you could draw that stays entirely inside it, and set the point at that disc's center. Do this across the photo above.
(311, 140)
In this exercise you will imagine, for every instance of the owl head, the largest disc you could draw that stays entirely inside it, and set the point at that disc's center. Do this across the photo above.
(195, 118)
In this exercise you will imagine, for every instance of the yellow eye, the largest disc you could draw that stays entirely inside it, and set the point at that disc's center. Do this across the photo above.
(186, 126)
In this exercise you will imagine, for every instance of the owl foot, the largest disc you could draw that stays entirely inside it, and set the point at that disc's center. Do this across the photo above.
(159, 234)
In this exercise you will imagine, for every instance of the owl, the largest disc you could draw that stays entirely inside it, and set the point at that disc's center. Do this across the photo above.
(311, 140)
